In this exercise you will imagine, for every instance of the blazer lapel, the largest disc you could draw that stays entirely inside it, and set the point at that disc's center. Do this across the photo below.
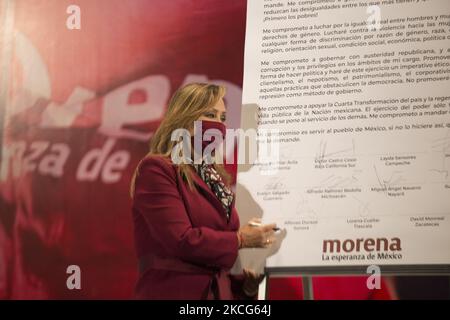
(209, 194)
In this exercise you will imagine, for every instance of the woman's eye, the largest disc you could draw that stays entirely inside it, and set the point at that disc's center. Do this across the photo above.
(210, 115)
(223, 119)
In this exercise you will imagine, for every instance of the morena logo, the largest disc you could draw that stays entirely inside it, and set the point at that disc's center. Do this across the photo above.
(358, 245)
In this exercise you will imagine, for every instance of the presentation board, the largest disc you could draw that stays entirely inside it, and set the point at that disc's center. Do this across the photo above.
(352, 100)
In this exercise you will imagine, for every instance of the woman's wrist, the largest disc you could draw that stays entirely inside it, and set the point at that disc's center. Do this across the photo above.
(240, 239)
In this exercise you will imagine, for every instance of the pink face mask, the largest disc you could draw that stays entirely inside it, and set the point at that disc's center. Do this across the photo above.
(208, 137)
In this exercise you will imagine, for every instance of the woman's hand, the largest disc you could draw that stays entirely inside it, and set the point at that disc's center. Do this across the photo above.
(251, 282)
(257, 237)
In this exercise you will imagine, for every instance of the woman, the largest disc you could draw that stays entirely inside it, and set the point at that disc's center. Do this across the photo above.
(187, 231)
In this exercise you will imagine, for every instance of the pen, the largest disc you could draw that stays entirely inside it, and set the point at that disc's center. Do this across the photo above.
(256, 224)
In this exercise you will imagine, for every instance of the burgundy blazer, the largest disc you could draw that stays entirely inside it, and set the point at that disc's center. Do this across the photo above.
(184, 243)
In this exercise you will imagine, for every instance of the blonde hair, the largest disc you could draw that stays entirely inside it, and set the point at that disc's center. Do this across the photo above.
(187, 104)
